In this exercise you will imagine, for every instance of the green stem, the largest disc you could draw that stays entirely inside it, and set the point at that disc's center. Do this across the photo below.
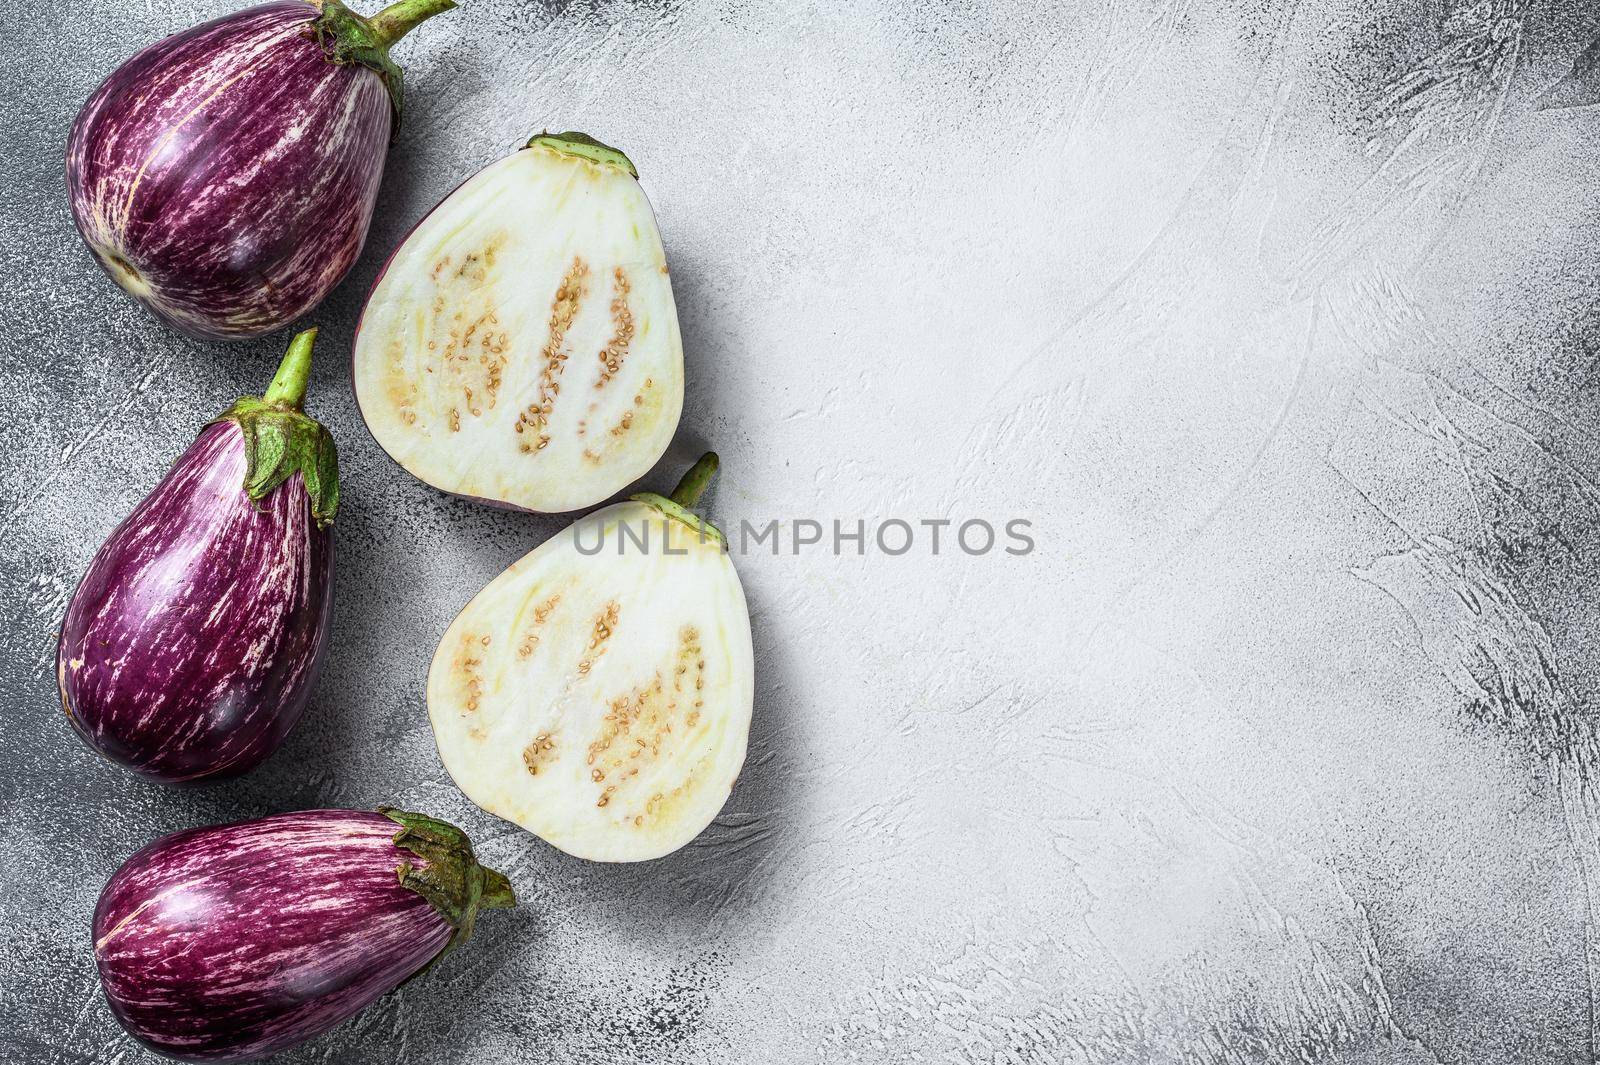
(451, 878)
(403, 16)
(288, 388)
(694, 483)
(583, 146)
(497, 893)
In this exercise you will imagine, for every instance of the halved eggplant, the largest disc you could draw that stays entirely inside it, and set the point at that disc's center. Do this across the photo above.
(522, 345)
(598, 693)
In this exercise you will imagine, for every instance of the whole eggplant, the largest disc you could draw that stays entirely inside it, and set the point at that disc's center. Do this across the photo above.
(237, 941)
(225, 176)
(191, 646)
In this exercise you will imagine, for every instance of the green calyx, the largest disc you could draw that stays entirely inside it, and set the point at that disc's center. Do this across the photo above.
(281, 440)
(451, 878)
(690, 488)
(583, 146)
(347, 37)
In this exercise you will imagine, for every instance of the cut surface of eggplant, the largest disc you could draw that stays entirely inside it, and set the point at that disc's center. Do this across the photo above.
(522, 344)
(598, 693)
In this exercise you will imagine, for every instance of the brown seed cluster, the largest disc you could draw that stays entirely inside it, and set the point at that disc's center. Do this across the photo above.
(486, 368)
(401, 383)
(604, 626)
(640, 707)
(541, 614)
(689, 652)
(533, 422)
(468, 669)
(625, 422)
(473, 350)
(539, 752)
(637, 729)
(616, 348)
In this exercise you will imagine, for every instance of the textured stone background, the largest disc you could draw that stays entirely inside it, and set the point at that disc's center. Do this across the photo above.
(1280, 320)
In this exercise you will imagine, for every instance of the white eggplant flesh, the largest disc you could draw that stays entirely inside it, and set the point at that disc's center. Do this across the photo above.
(522, 345)
(601, 700)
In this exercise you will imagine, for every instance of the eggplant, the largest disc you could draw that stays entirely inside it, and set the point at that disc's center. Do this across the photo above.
(598, 692)
(521, 347)
(237, 941)
(225, 176)
(190, 648)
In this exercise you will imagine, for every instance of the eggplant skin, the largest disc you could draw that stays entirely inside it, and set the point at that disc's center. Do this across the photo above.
(237, 941)
(225, 176)
(192, 644)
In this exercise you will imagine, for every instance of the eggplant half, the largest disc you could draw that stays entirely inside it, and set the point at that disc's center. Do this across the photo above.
(225, 176)
(521, 346)
(598, 693)
(234, 942)
(191, 646)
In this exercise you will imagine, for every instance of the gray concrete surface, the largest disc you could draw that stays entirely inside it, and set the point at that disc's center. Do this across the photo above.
(1280, 321)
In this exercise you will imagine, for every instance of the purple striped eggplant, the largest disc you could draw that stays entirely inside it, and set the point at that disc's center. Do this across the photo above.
(237, 941)
(191, 646)
(225, 176)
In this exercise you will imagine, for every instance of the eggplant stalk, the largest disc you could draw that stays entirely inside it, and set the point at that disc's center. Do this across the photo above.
(288, 388)
(280, 440)
(693, 485)
(583, 146)
(690, 488)
(348, 37)
(451, 880)
(400, 18)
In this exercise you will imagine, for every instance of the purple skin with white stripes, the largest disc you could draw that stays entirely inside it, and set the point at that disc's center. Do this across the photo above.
(192, 644)
(238, 941)
(225, 176)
